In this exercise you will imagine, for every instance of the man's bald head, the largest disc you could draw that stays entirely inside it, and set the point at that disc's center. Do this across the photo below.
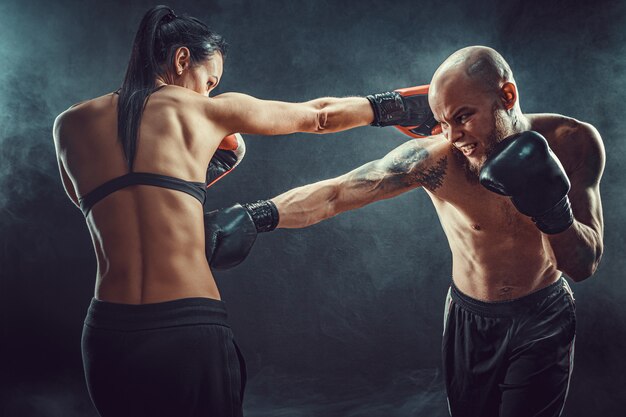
(480, 64)
(474, 98)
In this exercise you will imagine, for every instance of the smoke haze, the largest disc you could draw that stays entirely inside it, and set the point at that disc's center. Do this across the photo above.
(343, 318)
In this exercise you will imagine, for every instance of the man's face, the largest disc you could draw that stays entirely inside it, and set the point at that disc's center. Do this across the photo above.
(471, 117)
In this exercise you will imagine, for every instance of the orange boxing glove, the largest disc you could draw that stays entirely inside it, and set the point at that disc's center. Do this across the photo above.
(230, 142)
(406, 109)
(228, 155)
(429, 125)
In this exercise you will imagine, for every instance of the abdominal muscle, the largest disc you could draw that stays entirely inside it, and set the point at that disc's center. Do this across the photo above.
(149, 244)
(497, 253)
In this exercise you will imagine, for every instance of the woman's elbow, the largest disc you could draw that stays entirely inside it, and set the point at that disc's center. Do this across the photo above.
(319, 122)
(329, 117)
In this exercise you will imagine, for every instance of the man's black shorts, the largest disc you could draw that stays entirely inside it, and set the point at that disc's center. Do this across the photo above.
(511, 358)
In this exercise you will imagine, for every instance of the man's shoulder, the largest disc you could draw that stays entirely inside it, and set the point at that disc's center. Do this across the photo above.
(435, 146)
(570, 129)
(577, 144)
(567, 133)
(425, 154)
(582, 138)
(557, 127)
(440, 166)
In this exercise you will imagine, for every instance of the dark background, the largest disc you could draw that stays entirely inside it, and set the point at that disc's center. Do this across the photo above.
(343, 318)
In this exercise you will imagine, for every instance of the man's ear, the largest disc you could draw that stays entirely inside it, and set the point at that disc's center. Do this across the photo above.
(508, 95)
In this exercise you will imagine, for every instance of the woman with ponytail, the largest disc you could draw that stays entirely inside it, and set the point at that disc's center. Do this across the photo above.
(156, 341)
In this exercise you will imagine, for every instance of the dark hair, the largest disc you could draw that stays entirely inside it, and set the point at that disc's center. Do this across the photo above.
(160, 33)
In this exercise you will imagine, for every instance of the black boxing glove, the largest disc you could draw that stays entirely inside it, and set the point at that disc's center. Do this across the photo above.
(405, 108)
(524, 168)
(231, 232)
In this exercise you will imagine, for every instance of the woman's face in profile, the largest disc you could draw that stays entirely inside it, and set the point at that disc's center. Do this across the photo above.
(205, 76)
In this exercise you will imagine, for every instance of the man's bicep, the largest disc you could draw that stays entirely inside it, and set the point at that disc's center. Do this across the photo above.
(401, 170)
(246, 114)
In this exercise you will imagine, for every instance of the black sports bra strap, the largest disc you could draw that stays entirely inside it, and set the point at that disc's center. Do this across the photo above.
(195, 189)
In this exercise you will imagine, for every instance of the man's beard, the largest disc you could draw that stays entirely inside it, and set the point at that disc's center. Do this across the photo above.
(498, 133)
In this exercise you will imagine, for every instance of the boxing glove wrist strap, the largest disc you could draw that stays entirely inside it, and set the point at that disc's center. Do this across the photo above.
(557, 219)
(264, 214)
(388, 108)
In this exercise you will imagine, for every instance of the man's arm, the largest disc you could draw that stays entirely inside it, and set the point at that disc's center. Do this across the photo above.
(577, 250)
(413, 164)
(245, 114)
(231, 232)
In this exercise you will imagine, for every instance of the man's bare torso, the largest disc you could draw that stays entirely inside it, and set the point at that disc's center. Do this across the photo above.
(497, 252)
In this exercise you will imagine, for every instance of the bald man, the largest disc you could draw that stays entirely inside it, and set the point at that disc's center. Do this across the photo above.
(518, 199)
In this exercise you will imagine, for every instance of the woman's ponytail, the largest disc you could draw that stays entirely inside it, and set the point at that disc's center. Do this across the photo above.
(160, 33)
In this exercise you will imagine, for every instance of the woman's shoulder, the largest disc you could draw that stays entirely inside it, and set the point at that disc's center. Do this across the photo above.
(89, 106)
(84, 110)
(179, 99)
(101, 101)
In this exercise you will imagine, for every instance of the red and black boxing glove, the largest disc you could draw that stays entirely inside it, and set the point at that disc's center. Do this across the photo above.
(406, 109)
(227, 156)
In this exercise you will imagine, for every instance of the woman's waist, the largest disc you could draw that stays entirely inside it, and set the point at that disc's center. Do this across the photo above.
(149, 282)
(178, 312)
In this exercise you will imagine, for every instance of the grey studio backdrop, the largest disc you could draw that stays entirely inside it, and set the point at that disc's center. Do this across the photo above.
(343, 318)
